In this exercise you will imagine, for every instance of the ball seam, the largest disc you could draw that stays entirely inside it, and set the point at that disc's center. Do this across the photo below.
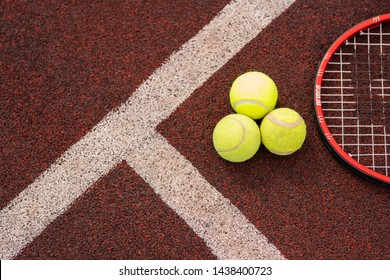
(241, 141)
(249, 101)
(284, 124)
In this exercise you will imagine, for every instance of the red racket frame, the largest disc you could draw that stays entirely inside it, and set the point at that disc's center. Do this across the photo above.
(333, 146)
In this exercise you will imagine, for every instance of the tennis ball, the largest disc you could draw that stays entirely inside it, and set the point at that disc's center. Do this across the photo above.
(253, 94)
(283, 131)
(236, 138)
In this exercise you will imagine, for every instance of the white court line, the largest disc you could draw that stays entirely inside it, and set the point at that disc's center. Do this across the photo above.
(226, 231)
(129, 133)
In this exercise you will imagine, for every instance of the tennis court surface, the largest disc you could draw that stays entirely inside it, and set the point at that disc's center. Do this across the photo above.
(107, 110)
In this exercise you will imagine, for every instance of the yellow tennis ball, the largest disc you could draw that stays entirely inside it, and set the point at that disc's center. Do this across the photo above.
(253, 94)
(283, 131)
(236, 138)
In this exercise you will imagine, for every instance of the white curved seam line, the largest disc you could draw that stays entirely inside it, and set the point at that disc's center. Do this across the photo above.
(248, 101)
(241, 140)
(284, 124)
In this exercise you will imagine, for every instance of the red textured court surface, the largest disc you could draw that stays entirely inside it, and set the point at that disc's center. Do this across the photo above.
(66, 65)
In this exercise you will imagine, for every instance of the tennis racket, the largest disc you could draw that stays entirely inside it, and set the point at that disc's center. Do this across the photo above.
(352, 99)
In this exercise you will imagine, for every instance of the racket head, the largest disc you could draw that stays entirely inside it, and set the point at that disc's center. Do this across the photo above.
(339, 96)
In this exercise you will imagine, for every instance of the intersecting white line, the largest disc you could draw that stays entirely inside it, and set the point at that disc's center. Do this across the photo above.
(129, 133)
(222, 226)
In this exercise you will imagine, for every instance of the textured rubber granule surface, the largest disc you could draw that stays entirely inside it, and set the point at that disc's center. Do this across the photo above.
(65, 66)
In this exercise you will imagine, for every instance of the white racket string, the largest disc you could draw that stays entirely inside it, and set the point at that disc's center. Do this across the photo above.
(355, 97)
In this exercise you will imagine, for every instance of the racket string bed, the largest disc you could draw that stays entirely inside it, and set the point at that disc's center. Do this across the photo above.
(355, 97)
